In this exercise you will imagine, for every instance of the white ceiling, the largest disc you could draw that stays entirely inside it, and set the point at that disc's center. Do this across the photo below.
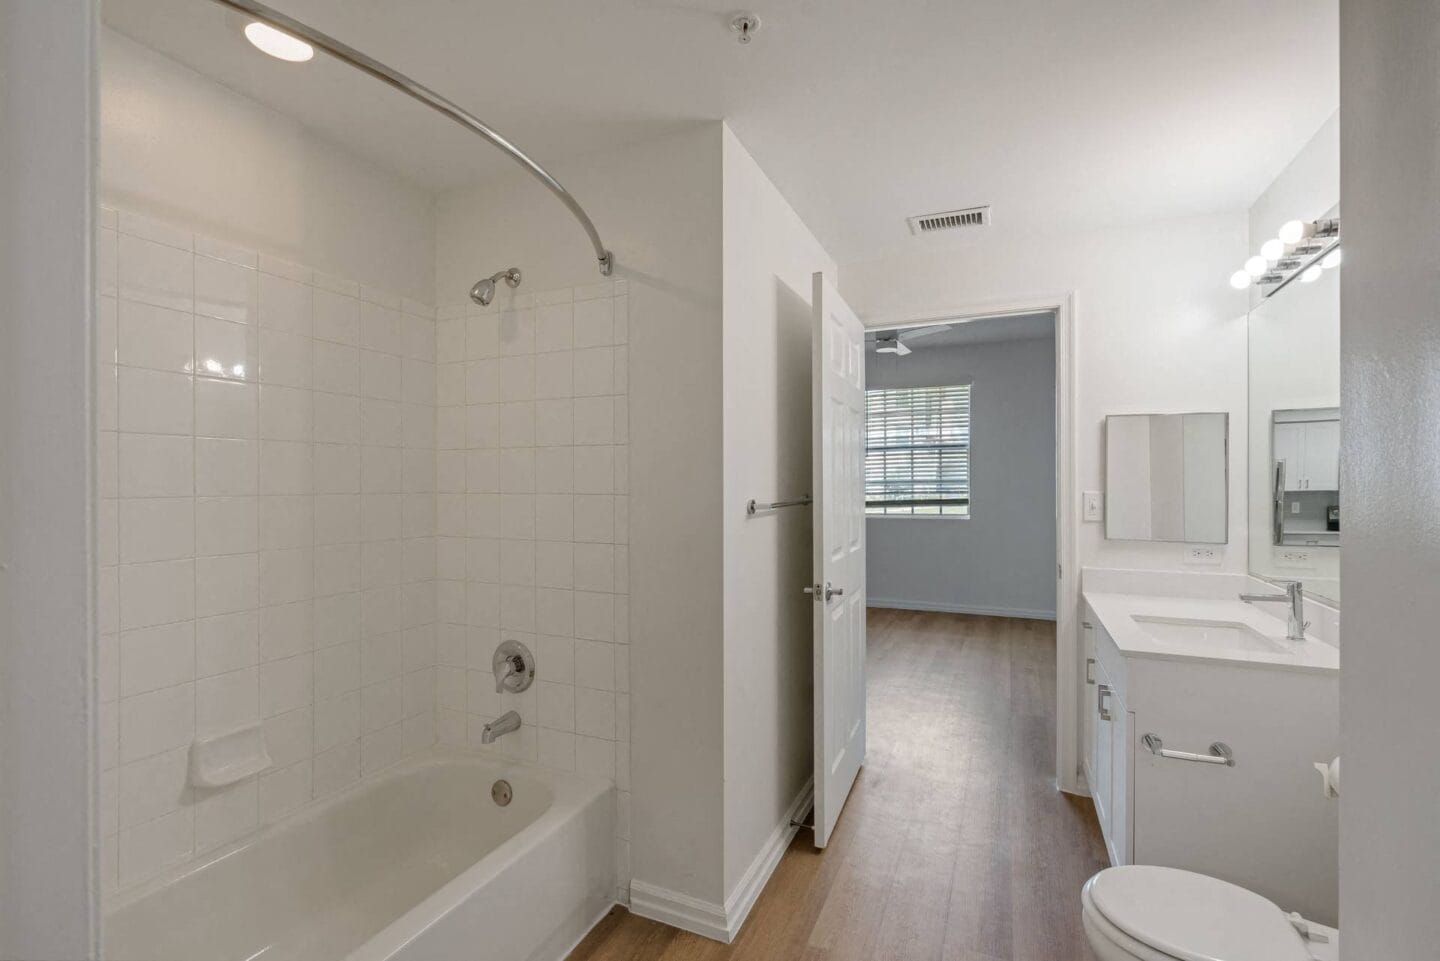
(1058, 113)
(985, 330)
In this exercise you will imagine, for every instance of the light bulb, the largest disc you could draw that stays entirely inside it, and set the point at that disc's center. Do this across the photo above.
(1332, 259)
(1272, 249)
(1312, 274)
(1257, 266)
(278, 43)
(1240, 279)
(1294, 231)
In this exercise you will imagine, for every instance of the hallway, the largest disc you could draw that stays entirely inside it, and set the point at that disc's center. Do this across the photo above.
(954, 844)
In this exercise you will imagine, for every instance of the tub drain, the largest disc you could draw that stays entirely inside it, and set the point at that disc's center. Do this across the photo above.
(501, 793)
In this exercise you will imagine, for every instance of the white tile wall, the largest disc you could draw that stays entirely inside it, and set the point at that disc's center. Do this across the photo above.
(531, 466)
(267, 534)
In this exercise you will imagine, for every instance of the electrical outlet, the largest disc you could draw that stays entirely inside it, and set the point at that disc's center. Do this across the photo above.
(1293, 557)
(1294, 507)
(1201, 554)
(1093, 505)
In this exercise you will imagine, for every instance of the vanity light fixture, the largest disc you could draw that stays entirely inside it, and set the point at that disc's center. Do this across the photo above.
(278, 43)
(1302, 251)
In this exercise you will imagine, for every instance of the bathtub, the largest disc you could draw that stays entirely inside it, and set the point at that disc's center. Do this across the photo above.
(417, 865)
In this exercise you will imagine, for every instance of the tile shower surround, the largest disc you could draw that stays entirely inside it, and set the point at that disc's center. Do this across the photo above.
(305, 520)
(532, 435)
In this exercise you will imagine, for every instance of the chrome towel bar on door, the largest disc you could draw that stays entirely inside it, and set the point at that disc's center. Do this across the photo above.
(1220, 752)
(754, 506)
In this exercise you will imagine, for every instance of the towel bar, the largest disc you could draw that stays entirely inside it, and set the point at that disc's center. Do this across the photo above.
(753, 506)
(1220, 752)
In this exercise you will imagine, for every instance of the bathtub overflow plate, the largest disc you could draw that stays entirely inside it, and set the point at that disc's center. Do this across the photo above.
(501, 793)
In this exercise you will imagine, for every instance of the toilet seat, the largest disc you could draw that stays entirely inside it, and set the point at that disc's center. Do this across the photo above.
(1155, 913)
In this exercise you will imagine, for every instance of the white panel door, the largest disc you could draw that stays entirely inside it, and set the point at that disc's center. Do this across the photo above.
(838, 469)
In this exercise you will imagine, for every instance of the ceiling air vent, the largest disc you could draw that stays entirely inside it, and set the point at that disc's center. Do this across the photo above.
(950, 220)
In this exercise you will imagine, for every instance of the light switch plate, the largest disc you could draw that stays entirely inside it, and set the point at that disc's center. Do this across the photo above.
(1093, 506)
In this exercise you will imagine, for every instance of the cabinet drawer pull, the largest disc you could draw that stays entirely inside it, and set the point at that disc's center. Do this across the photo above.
(1089, 672)
(1101, 693)
(1220, 752)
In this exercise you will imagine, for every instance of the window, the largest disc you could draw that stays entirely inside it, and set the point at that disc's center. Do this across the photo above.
(917, 451)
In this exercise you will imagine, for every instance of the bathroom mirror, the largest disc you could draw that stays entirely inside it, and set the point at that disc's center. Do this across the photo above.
(1166, 477)
(1294, 426)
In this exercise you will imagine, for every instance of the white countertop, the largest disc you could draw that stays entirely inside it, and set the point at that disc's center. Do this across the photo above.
(1116, 611)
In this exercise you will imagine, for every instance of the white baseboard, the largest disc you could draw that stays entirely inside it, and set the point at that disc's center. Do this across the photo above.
(704, 918)
(715, 921)
(899, 605)
(747, 892)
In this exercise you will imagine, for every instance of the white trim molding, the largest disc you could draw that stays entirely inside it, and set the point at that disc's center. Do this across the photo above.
(901, 605)
(716, 921)
(747, 891)
(705, 918)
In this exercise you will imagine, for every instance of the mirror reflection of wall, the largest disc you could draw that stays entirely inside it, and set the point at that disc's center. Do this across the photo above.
(1295, 516)
(1165, 477)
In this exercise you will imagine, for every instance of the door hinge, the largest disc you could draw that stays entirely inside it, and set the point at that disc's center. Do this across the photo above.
(1059, 572)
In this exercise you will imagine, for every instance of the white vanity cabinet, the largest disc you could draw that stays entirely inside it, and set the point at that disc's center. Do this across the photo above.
(1262, 823)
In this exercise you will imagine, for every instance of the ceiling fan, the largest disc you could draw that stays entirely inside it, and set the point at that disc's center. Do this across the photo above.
(897, 341)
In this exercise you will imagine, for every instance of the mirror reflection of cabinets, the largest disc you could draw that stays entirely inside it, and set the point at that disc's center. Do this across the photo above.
(1166, 477)
(1294, 427)
(1305, 451)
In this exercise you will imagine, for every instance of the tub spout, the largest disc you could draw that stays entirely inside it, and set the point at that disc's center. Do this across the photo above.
(504, 724)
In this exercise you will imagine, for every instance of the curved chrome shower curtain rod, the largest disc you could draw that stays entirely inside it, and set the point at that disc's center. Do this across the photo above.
(432, 100)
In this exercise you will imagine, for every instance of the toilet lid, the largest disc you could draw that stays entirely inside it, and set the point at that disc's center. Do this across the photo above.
(1195, 917)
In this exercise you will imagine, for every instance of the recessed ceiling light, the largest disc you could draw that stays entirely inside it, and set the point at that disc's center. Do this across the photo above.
(278, 43)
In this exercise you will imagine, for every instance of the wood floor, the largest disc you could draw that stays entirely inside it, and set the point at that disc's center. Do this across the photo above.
(954, 844)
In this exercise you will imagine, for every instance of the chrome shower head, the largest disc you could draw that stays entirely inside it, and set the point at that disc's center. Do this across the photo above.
(484, 290)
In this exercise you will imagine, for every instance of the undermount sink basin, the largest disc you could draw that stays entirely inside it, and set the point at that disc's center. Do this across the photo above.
(1215, 635)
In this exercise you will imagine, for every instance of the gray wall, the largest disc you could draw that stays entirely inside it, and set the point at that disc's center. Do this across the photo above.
(1390, 458)
(1001, 559)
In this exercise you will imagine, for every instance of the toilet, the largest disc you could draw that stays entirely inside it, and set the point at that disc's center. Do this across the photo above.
(1143, 912)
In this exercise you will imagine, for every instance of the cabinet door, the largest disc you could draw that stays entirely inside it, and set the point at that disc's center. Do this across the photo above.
(1087, 695)
(1101, 787)
(1289, 441)
(1121, 765)
(1322, 455)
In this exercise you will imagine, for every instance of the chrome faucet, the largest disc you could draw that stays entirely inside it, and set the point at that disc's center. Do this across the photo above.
(504, 724)
(1295, 595)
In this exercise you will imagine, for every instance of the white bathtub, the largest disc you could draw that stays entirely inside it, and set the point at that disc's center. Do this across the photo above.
(419, 865)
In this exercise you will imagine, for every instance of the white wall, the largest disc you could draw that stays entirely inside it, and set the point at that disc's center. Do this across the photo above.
(769, 258)
(1001, 559)
(1157, 329)
(49, 899)
(1390, 353)
(658, 207)
(179, 147)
